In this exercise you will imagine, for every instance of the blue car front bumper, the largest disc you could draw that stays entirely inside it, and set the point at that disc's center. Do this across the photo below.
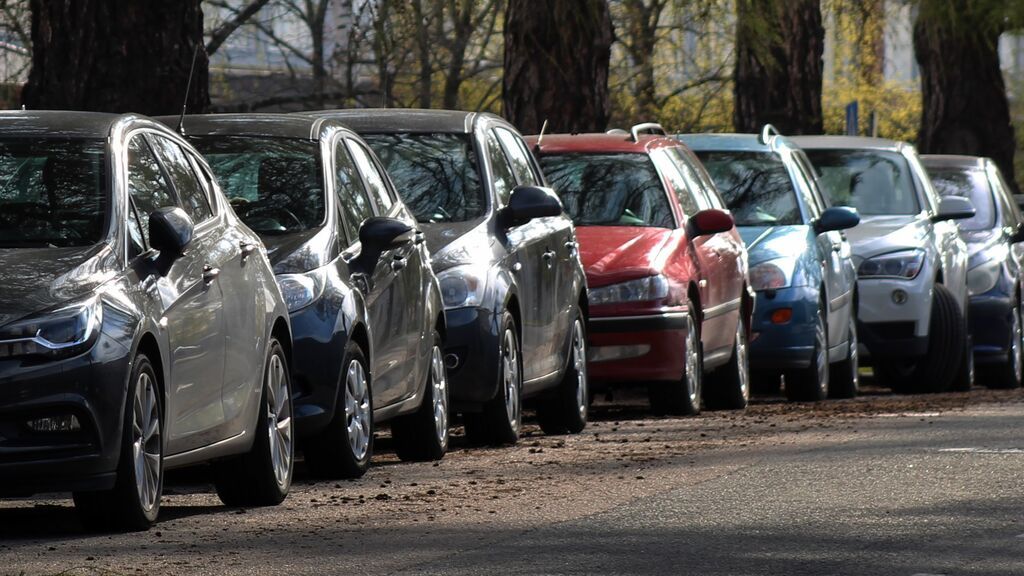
(787, 345)
(990, 316)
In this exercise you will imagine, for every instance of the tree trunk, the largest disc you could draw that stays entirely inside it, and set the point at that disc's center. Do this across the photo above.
(641, 18)
(778, 75)
(965, 110)
(556, 64)
(116, 56)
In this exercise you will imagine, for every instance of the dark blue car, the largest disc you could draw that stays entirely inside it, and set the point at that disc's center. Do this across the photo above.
(993, 237)
(804, 324)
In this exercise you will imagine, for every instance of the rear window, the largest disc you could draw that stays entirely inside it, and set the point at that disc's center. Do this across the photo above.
(875, 182)
(973, 185)
(609, 189)
(53, 193)
(756, 187)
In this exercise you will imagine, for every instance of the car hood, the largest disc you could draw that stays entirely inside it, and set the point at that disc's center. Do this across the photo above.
(771, 242)
(300, 252)
(612, 254)
(35, 279)
(980, 240)
(880, 234)
(455, 243)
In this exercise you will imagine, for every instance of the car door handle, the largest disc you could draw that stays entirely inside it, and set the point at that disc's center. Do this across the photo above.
(210, 274)
(247, 249)
(418, 238)
(837, 247)
(549, 255)
(397, 263)
(573, 247)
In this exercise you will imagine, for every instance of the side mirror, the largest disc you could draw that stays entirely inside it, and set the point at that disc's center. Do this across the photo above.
(529, 202)
(837, 218)
(378, 234)
(954, 208)
(707, 222)
(170, 232)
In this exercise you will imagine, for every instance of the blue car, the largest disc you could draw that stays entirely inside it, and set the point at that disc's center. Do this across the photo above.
(994, 237)
(805, 321)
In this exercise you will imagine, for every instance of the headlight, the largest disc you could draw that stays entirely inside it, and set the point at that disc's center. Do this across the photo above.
(462, 286)
(64, 332)
(773, 274)
(301, 290)
(984, 277)
(905, 265)
(639, 290)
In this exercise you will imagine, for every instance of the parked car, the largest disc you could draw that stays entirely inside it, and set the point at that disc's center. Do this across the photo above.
(994, 237)
(137, 332)
(666, 268)
(506, 255)
(911, 262)
(353, 267)
(800, 263)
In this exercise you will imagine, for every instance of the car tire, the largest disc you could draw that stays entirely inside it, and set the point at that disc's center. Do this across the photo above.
(963, 381)
(134, 502)
(683, 397)
(263, 476)
(811, 384)
(345, 448)
(1008, 373)
(502, 416)
(935, 371)
(423, 435)
(564, 409)
(844, 380)
(728, 388)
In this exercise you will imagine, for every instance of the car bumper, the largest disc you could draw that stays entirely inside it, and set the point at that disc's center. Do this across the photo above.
(91, 387)
(472, 354)
(787, 345)
(319, 338)
(990, 316)
(636, 349)
(894, 315)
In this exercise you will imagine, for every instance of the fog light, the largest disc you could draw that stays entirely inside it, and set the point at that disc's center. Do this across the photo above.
(899, 297)
(451, 361)
(782, 315)
(64, 423)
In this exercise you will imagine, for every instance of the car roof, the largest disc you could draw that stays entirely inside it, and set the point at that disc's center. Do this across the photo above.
(391, 120)
(737, 142)
(60, 123)
(847, 143)
(251, 124)
(952, 161)
(601, 143)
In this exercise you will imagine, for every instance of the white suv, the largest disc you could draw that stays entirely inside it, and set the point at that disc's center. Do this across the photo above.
(911, 262)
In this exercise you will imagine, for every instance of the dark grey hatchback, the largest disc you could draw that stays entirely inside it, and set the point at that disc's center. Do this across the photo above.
(506, 256)
(128, 348)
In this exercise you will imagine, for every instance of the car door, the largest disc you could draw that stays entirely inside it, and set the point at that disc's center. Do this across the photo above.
(193, 315)
(407, 307)
(558, 255)
(526, 245)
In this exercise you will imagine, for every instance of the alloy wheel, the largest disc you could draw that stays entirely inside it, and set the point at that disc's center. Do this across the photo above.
(439, 392)
(357, 409)
(854, 342)
(1016, 346)
(279, 420)
(821, 350)
(579, 361)
(510, 375)
(147, 447)
(693, 375)
(742, 366)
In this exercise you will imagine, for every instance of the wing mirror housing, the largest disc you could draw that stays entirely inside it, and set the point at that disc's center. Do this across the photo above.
(954, 208)
(378, 235)
(170, 233)
(529, 202)
(708, 222)
(837, 218)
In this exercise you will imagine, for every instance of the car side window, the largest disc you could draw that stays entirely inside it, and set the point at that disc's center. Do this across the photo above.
(805, 188)
(1011, 214)
(501, 170)
(519, 157)
(701, 187)
(352, 199)
(147, 185)
(371, 173)
(191, 192)
(205, 180)
(683, 190)
(136, 236)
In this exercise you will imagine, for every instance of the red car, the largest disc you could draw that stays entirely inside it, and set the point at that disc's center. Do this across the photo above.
(666, 268)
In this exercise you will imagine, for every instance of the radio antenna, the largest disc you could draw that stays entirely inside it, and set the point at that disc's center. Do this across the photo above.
(540, 138)
(188, 88)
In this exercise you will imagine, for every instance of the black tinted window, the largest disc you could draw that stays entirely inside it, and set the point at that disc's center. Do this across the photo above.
(973, 185)
(756, 187)
(52, 192)
(274, 184)
(355, 204)
(519, 157)
(372, 176)
(875, 182)
(147, 186)
(190, 191)
(609, 189)
(504, 180)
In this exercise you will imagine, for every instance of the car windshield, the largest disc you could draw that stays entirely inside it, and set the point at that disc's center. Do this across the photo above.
(756, 187)
(275, 185)
(875, 182)
(609, 189)
(435, 174)
(970, 183)
(53, 193)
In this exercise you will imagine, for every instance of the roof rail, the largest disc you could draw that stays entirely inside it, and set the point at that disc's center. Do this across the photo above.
(647, 128)
(766, 133)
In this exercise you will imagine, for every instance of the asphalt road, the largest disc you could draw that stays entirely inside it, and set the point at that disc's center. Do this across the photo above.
(878, 485)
